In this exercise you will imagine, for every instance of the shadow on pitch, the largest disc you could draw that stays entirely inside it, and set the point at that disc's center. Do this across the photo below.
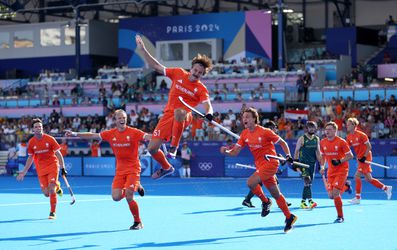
(278, 228)
(53, 237)
(22, 220)
(212, 241)
(218, 211)
(84, 246)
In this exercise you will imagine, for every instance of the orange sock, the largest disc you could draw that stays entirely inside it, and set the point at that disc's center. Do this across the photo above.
(358, 187)
(282, 204)
(377, 184)
(338, 204)
(160, 158)
(259, 192)
(177, 130)
(53, 202)
(134, 210)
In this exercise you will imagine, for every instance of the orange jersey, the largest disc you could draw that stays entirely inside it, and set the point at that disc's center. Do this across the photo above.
(260, 142)
(358, 141)
(192, 93)
(125, 148)
(43, 152)
(64, 149)
(335, 149)
(95, 150)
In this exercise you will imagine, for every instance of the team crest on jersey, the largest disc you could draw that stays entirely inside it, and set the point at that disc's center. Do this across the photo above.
(34, 147)
(325, 148)
(47, 145)
(246, 140)
(195, 90)
(336, 148)
(114, 139)
(128, 137)
(260, 139)
(356, 138)
(180, 81)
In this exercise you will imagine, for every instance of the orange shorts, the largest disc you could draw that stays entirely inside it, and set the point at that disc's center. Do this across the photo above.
(128, 181)
(46, 179)
(267, 174)
(163, 129)
(337, 181)
(364, 168)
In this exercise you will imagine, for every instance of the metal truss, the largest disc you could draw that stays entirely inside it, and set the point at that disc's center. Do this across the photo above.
(31, 11)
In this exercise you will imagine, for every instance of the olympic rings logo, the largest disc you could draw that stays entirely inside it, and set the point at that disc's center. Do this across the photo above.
(205, 166)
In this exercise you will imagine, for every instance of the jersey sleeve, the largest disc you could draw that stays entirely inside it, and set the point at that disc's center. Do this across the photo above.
(54, 144)
(345, 147)
(204, 95)
(364, 138)
(171, 72)
(138, 134)
(271, 136)
(106, 135)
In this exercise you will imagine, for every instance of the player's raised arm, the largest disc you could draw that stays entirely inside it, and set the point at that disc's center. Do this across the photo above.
(235, 150)
(83, 135)
(150, 60)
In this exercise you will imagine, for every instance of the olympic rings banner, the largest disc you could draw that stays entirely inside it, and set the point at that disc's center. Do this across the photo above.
(74, 166)
(208, 166)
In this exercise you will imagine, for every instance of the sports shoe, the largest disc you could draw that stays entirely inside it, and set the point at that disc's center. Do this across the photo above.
(247, 203)
(161, 173)
(52, 216)
(304, 205)
(349, 186)
(289, 222)
(388, 192)
(141, 191)
(339, 220)
(136, 226)
(355, 201)
(172, 152)
(312, 204)
(59, 191)
(266, 208)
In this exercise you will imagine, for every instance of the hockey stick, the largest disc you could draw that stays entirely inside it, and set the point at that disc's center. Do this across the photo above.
(377, 164)
(245, 166)
(70, 190)
(297, 163)
(212, 122)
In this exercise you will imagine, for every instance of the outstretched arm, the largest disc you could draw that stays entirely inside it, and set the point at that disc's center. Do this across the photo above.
(83, 135)
(235, 150)
(151, 61)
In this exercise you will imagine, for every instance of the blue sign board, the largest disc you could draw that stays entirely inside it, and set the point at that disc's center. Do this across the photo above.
(146, 165)
(99, 166)
(74, 166)
(391, 162)
(231, 170)
(207, 166)
(176, 163)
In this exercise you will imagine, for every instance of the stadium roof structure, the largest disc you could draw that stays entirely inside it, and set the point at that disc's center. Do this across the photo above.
(33, 11)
